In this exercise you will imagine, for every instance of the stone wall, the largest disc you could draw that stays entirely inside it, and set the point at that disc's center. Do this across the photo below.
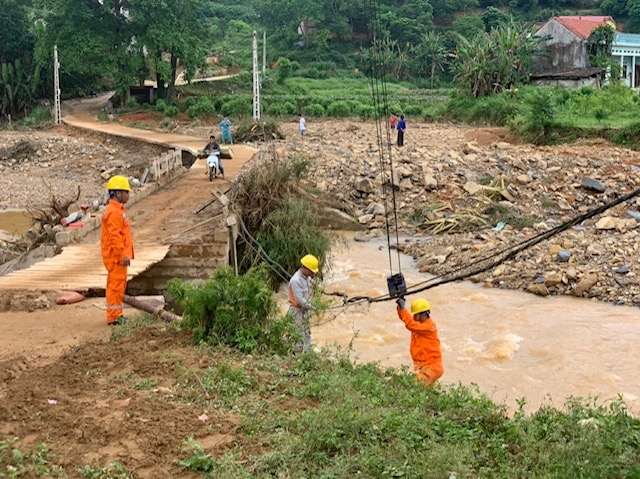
(188, 261)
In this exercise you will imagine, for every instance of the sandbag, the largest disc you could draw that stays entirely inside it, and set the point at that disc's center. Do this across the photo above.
(69, 297)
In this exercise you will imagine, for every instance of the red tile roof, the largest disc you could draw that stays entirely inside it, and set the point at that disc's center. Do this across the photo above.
(583, 26)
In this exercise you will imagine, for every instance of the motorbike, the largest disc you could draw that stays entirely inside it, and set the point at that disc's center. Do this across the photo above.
(213, 165)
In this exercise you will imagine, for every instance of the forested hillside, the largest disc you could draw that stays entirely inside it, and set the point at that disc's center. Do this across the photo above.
(118, 43)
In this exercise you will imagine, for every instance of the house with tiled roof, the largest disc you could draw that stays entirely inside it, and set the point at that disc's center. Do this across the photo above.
(565, 49)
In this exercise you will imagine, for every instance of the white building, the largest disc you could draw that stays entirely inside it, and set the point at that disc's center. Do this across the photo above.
(626, 51)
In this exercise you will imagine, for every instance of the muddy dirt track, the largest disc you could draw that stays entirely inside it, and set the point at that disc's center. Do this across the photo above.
(62, 353)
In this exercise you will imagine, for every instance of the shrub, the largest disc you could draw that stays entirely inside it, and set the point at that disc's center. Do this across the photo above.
(314, 110)
(366, 112)
(238, 311)
(313, 72)
(324, 66)
(132, 102)
(414, 110)
(283, 70)
(239, 106)
(339, 109)
(171, 110)
(628, 136)
(203, 107)
(291, 231)
(192, 100)
(160, 104)
(40, 114)
(281, 109)
(496, 109)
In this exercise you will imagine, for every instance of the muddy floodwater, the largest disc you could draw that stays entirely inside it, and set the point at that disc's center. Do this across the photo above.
(512, 345)
(14, 222)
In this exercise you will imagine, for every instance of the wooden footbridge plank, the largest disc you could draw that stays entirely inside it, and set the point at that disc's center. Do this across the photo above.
(78, 267)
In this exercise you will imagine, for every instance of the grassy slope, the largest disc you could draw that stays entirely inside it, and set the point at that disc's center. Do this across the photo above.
(320, 416)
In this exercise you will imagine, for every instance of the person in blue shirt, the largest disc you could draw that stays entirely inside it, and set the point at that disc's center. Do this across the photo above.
(402, 126)
(225, 129)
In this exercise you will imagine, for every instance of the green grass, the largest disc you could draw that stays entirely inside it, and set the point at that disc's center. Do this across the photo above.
(319, 415)
(315, 417)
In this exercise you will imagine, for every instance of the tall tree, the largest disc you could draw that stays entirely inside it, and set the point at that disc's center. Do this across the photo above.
(167, 30)
(16, 37)
(431, 52)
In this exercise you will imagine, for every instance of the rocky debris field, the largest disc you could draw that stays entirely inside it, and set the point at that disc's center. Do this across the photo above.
(34, 166)
(464, 193)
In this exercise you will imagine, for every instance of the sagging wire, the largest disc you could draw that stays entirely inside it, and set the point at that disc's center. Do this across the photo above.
(257, 248)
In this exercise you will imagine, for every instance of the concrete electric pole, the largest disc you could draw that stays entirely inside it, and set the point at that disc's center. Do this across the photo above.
(256, 79)
(56, 87)
(264, 54)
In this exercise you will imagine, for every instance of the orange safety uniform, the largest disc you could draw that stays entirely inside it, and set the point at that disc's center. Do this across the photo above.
(116, 244)
(425, 347)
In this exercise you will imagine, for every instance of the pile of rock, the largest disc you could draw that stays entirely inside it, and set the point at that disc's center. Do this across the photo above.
(442, 174)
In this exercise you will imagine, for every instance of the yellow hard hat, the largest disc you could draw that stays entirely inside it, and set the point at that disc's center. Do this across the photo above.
(310, 262)
(118, 183)
(420, 305)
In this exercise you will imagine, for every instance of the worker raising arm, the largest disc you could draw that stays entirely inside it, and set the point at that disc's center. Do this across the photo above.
(425, 343)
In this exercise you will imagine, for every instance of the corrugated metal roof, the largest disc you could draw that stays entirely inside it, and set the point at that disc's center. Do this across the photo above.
(626, 39)
(78, 268)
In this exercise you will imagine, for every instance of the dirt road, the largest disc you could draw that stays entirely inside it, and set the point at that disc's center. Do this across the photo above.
(155, 219)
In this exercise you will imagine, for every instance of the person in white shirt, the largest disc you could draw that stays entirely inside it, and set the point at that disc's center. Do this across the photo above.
(300, 296)
(303, 126)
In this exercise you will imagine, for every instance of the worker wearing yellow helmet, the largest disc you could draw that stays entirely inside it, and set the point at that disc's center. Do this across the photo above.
(117, 247)
(300, 295)
(425, 343)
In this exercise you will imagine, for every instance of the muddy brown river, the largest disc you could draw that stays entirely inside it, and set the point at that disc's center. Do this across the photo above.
(512, 345)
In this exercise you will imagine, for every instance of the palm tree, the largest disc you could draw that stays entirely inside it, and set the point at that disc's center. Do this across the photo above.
(432, 54)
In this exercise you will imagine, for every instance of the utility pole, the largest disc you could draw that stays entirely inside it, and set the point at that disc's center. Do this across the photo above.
(256, 79)
(56, 87)
(264, 54)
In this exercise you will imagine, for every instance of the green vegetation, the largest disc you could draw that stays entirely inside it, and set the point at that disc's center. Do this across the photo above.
(278, 214)
(16, 463)
(238, 311)
(322, 416)
(114, 470)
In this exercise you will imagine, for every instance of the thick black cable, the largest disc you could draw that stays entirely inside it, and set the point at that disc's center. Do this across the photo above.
(511, 253)
(381, 107)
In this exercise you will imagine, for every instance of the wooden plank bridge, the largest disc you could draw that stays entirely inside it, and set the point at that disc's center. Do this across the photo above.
(78, 268)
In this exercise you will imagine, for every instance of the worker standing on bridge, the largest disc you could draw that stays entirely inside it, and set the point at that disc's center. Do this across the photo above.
(225, 131)
(117, 247)
(300, 295)
(425, 343)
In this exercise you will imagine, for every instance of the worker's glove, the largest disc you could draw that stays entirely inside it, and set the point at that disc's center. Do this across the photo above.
(401, 302)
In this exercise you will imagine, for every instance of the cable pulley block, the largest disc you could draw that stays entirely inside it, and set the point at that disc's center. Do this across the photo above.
(397, 285)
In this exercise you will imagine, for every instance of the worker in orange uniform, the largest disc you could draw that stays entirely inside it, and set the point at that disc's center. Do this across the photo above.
(117, 247)
(425, 344)
(300, 295)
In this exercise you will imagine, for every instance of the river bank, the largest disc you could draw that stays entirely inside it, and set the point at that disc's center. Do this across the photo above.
(483, 191)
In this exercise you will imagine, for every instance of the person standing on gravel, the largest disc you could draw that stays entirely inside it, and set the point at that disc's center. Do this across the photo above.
(425, 343)
(300, 295)
(303, 127)
(117, 247)
(402, 126)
